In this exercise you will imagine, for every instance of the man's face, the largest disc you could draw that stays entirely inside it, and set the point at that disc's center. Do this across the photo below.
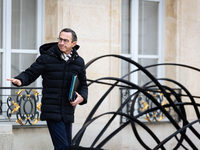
(65, 43)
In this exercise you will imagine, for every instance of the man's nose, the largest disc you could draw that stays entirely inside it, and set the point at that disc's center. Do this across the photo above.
(62, 42)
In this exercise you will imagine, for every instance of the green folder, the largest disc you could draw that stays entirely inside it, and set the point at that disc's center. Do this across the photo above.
(73, 88)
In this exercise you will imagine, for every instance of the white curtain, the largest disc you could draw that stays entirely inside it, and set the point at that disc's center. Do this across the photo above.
(142, 78)
(23, 35)
(125, 27)
(1, 38)
(148, 28)
(1, 23)
(148, 37)
(24, 24)
(125, 36)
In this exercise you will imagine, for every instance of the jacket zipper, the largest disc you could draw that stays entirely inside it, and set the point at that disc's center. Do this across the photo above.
(65, 68)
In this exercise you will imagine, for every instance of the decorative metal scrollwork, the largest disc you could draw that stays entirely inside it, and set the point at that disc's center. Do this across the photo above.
(0, 106)
(16, 107)
(25, 106)
(10, 105)
(143, 103)
(39, 106)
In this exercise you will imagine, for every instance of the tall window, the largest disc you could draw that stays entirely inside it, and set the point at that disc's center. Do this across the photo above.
(125, 40)
(21, 34)
(22, 21)
(1, 39)
(142, 28)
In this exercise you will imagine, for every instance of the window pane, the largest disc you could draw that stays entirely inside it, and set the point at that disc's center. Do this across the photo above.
(148, 27)
(125, 41)
(125, 69)
(24, 24)
(142, 78)
(20, 62)
(1, 23)
(1, 97)
(1, 69)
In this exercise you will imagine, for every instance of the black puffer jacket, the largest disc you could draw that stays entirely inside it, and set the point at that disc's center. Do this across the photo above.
(56, 74)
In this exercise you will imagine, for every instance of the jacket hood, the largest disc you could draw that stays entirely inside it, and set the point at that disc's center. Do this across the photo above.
(46, 48)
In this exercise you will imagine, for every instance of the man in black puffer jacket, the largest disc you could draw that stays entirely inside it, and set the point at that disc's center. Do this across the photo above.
(57, 64)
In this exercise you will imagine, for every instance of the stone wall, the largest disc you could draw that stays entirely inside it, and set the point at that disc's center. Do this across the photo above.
(182, 34)
(31, 138)
(6, 137)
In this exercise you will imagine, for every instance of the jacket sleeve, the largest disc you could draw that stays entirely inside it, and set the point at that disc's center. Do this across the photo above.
(33, 72)
(83, 88)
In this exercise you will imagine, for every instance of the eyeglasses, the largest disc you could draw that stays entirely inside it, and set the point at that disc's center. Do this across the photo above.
(64, 40)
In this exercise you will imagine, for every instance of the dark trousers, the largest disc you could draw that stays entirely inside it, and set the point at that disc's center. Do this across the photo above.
(60, 134)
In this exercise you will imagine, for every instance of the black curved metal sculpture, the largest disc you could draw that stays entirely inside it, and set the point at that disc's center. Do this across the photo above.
(160, 108)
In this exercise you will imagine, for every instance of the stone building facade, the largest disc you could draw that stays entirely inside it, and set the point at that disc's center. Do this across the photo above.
(98, 24)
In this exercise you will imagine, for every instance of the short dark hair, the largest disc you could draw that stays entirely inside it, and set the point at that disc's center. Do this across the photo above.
(74, 36)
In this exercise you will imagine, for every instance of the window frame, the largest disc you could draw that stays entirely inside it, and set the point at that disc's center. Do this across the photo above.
(6, 50)
(134, 23)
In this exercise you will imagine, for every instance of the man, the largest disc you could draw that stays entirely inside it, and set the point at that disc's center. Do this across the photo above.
(57, 64)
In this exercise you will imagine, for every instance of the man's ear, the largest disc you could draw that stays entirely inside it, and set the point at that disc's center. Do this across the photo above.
(74, 43)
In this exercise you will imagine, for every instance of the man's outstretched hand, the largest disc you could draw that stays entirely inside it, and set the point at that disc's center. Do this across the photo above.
(15, 81)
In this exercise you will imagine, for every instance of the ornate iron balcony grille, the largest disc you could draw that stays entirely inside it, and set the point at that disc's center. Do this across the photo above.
(20, 105)
(139, 103)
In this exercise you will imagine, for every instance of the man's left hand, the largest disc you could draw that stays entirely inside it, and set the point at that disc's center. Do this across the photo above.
(78, 100)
